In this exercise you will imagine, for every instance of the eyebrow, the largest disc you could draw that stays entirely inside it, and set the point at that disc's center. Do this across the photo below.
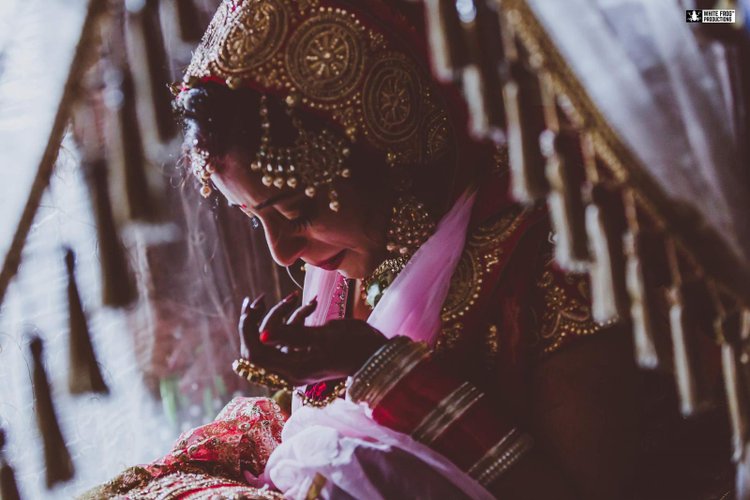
(274, 199)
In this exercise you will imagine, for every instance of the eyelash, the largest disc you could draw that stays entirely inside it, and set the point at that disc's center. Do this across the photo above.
(301, 222)
(305, 218)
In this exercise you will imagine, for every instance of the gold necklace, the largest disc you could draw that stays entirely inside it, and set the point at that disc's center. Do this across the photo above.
(375, 285)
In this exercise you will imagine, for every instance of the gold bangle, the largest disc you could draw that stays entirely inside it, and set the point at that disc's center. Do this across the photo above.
(257, 375)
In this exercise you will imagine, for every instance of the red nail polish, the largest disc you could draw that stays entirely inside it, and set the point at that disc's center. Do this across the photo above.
(264, 336)
(243, 205)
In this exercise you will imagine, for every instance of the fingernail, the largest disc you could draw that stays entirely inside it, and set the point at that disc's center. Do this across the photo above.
(314, 300)
(264, 336)
(291, 296)
(243, 205)
(245, 302)
(258, 301)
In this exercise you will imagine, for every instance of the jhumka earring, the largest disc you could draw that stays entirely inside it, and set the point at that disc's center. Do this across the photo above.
(314, 161)
(410, 226)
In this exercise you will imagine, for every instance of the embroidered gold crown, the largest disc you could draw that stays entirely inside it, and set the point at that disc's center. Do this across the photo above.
(326, 58)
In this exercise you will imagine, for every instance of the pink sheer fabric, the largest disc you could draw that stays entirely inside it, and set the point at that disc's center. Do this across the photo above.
(411, 306)
(341, 441)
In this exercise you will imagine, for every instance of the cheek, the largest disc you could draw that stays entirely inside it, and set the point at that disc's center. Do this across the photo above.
(352, 229)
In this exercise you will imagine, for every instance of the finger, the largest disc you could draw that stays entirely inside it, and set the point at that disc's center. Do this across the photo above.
(291, 364)
(290, 337)
(298, 317)
(276, 315)
(259, 303)
(251, 314)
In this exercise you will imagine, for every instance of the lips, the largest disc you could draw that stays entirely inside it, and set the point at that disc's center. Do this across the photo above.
(332, 263)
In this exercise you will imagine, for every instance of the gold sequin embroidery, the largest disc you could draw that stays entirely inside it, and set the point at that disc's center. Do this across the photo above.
(564, 316)
(335, 64)
(483, 252)
(492, 343)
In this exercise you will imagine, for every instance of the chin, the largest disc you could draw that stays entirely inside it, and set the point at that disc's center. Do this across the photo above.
(353, 268)
(350, 273)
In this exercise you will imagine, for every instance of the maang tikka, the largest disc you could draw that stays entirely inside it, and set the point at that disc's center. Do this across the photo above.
(313, 162)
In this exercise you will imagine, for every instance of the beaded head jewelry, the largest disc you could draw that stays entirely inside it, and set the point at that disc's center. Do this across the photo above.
(316, 159)
(326, 60)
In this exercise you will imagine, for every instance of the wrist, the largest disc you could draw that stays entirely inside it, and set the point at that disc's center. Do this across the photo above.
(366, 349)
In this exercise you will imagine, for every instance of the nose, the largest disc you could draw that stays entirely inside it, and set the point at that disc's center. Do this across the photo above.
(285, 248)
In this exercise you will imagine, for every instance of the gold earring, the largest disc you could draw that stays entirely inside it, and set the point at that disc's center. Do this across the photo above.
(410, 226)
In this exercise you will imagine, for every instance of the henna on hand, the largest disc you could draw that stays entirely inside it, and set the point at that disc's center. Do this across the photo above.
(280, 342)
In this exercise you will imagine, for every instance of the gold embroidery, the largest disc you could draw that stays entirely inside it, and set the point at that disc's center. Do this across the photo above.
(326, 56)
(449, 337)
(335, 64)
(482, 253)
(492, 343)
(392, 106)
(466, 284)
(564, 316)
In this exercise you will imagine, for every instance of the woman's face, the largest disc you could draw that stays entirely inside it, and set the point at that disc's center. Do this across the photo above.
(351, 240)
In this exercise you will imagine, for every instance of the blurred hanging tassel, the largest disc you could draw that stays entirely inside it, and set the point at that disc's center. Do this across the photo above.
(446, 38)
(566, 175)
(59, 466)
(8, 485)
(691, 317)
(84, 375)
(647, 275)
(118, 283)
(126, 146)
(189, 21)
(88, 124)
(733, 328)
(142, 205)
(148, 40)
(605, 227)
(484, 72)
(526, 100)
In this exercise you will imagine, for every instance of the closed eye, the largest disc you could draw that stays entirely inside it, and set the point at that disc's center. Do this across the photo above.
(304, 214)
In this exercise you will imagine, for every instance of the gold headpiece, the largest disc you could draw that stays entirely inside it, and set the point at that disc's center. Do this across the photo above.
(327, 60)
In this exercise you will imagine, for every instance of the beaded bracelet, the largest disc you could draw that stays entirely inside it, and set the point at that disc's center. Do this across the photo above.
(257, 375)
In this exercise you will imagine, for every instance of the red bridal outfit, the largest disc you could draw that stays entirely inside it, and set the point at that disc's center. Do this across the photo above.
(443, 409)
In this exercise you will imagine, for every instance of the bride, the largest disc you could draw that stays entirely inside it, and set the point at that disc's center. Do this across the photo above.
(437, 352)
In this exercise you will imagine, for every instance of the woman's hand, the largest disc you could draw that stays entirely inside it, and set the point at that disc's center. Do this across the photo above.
(278, 341)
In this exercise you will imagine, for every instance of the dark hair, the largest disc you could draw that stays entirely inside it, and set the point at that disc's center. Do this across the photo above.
(217, 119)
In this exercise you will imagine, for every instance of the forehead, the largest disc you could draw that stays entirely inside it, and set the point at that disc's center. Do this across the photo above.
(241, 186)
